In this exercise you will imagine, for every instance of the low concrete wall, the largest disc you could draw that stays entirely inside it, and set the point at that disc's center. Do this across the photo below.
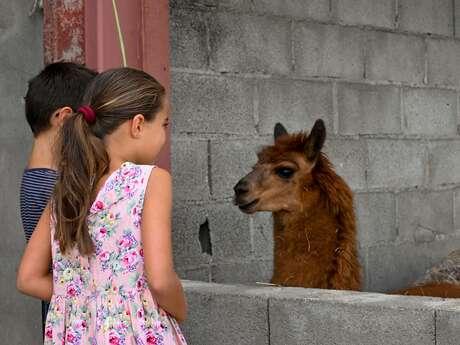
(253, 315)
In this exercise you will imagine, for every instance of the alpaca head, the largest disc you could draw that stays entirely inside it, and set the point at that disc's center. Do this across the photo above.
(280, 180)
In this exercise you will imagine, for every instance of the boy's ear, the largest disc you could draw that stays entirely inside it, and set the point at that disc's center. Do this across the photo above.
(60, 115)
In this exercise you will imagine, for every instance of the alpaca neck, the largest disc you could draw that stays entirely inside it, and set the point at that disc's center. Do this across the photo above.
(304, 247)
(316, 246)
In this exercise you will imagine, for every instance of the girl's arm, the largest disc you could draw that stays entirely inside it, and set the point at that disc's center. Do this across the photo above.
(34, 278)
(156, 239)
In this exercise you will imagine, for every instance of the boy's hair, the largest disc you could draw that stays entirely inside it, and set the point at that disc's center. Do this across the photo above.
(58, 85)
(113, 97)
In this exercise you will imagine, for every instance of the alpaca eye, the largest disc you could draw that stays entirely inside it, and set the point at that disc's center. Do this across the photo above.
(284, 172)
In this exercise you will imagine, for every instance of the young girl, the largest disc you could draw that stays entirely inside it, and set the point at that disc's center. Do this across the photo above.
(108, 226)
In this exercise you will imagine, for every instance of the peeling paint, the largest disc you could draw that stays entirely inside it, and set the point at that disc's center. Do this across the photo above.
(64, 31)
(73, 5)
(74, 51)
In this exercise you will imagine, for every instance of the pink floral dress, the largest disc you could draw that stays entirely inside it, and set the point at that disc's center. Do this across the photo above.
(104, 298)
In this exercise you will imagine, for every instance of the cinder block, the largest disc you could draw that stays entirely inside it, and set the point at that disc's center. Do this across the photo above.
(242, 43)
(448, 324)
(195, 4)
(394, 267)
(186, 222)
(237, 5)
(12, 90)
(189, 165)
(367, 109)
(225, 315)
(21, 43)
(375, 213)
(366, 12)
(423, 215)
(230, 235)
(13, 161)
(362, 257)
(15, 307)
(395, 57)
(247, 272)
(426, 16)
(396, 163)
(328, 51)
(7, 18)
(188, 39)
(298, 317)
(349, 158)
(457, 18)
(231, 160)
(457, 209)
(430, 111)
(445, 162)
(312, 9)
(262, 234)
(443, 66)
(200, 273)
(18, 310)
(208, 104)
(296, 104)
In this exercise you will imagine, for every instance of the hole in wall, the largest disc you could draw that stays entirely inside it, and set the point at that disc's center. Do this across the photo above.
(205, 238)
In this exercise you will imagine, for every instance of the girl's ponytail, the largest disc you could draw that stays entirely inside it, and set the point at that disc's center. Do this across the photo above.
(113, 97)
(83, 160)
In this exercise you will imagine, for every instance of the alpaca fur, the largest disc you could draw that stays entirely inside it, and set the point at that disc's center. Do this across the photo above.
(313, 216)
(432, 289)
(317, 249)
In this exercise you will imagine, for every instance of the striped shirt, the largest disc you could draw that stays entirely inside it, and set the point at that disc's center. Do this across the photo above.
(37, 185)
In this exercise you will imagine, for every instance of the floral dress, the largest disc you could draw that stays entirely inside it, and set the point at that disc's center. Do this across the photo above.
(104, 298)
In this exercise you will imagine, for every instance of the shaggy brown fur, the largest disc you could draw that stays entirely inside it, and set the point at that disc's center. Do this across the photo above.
(314, 221)
(434, 289)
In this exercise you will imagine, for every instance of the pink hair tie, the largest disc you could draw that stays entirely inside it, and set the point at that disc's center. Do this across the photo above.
(88, 113)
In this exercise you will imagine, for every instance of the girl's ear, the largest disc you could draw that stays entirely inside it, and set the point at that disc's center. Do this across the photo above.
(137, 124)
(315, 140)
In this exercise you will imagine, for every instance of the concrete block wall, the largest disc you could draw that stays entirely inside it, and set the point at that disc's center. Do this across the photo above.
(233, 314)
(385, 77)
(21, 57)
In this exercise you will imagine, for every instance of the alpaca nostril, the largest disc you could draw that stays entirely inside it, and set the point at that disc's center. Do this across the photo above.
(241, 188)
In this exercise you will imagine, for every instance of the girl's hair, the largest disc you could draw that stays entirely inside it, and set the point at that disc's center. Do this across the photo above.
(115, 96)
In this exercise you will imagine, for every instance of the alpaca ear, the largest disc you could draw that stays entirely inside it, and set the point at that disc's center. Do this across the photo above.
(279, 131)
(315, 140)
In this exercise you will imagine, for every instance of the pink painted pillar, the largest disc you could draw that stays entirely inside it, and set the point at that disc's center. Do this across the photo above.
(102, 46)
(63, 31)
(156, 54)
(146, 38)
(84, 31)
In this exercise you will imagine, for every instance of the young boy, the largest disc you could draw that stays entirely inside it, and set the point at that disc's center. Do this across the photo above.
(52, 96)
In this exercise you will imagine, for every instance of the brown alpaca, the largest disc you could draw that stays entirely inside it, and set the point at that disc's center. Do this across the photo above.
(314, 221)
